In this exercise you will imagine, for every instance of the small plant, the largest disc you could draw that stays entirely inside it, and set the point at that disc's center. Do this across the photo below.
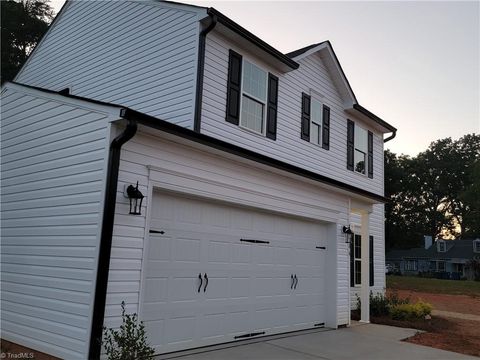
(411, 311)
(129, 342)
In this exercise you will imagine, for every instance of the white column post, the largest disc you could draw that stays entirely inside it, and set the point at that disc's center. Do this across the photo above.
(365, 287)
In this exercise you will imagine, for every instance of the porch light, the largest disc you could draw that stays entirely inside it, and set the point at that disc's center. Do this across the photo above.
(136, 198)
(348, 234)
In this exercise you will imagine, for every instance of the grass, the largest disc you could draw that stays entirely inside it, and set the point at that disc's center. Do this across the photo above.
(435, 286)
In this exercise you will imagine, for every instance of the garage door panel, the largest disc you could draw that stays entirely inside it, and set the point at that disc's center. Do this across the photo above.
(249, 284)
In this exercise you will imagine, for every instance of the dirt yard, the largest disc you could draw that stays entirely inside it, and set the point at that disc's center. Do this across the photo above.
(446, 332)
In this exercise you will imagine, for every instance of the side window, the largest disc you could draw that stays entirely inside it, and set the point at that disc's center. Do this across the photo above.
(359, 149)
(315, 122)
(252, 96)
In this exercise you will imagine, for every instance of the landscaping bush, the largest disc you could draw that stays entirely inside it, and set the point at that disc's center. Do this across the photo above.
(380, 304)
(410, 311)
(129, 342)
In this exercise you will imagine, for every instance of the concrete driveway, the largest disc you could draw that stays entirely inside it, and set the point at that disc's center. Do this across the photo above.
(360, 341)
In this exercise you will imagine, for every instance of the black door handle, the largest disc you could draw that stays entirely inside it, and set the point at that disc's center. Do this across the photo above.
(296, 281)
(201, 281)
(293, 281)
(206, 282)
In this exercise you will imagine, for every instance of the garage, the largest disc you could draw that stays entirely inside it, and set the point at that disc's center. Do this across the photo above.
(216, 273)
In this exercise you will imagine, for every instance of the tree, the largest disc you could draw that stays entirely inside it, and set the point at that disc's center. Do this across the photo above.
(436, 193)
(23, 23)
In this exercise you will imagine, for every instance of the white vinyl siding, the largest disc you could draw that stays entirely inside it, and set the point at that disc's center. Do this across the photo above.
(191, 169)
(53, 159)
(288, 147)
(377, 230)
(137, 54)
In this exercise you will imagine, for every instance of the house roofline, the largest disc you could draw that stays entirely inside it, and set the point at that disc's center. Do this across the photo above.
(232, 25)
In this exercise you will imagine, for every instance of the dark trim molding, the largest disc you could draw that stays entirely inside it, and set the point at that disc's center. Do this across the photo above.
(374, 117)
(200, 72)
(221, 145)
(232, 25)
(103, 266)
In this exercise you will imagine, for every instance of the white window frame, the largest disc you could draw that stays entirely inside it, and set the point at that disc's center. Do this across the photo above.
(365, 170)
(320, 125)
(476, 245)
(264, 120)
(439, 246)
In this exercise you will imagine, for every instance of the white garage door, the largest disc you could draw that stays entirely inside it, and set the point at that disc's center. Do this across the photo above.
(217, 273)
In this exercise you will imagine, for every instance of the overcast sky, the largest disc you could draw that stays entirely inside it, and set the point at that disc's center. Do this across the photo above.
(414, 64)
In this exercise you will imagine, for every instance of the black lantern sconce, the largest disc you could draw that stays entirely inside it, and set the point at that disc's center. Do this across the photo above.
(136, 198)
(348, 234)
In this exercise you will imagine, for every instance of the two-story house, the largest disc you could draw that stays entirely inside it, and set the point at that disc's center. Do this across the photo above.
(253, 168)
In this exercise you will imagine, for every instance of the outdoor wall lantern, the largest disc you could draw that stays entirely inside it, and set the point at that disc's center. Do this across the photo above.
(136, 198)
(348, 234)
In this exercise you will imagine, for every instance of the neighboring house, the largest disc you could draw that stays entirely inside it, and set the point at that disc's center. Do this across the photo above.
(444, 258)
(253, 163)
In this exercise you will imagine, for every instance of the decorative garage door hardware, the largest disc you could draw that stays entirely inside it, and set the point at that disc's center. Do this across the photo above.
(244, 336)
(255, 241)
(320, 247)
(294, 283)
(157, 232)
(201, 282)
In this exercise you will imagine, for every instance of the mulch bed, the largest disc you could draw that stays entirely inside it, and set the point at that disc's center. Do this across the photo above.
(458, 335)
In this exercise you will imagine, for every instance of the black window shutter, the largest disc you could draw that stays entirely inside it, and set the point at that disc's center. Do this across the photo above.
(233, 87)
(352, 263)
(326, 128)
(350, 145)
(305, 117)
(272, 106)
(370, 265)
(370, 154)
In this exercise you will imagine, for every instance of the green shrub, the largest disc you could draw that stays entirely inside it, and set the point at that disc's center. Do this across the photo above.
(410, 311)
(129, 342)
(380, 304)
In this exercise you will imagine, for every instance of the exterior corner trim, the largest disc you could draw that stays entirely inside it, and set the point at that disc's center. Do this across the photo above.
(103, 266)
(200, 72)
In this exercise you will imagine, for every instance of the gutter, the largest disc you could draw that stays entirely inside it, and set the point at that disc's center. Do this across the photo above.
(232, 25)
(200, 72)
(394, 133)
(103, 267)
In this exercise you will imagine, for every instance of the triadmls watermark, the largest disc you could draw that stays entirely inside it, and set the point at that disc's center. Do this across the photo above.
(20, 355)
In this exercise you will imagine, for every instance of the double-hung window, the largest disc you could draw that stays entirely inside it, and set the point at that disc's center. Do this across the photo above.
(476, 245)
(359, 149)
(315, 121)
(254, 97)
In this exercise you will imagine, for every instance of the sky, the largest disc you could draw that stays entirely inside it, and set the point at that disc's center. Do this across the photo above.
(414, 64)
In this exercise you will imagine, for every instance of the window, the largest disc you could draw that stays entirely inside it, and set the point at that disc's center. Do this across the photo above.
(359, 149)
(441, 246)
(441, 266)
(360, 158)
(411, 265)
(357, 256)
(476, 245)
(254, 97)
(316, 122)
